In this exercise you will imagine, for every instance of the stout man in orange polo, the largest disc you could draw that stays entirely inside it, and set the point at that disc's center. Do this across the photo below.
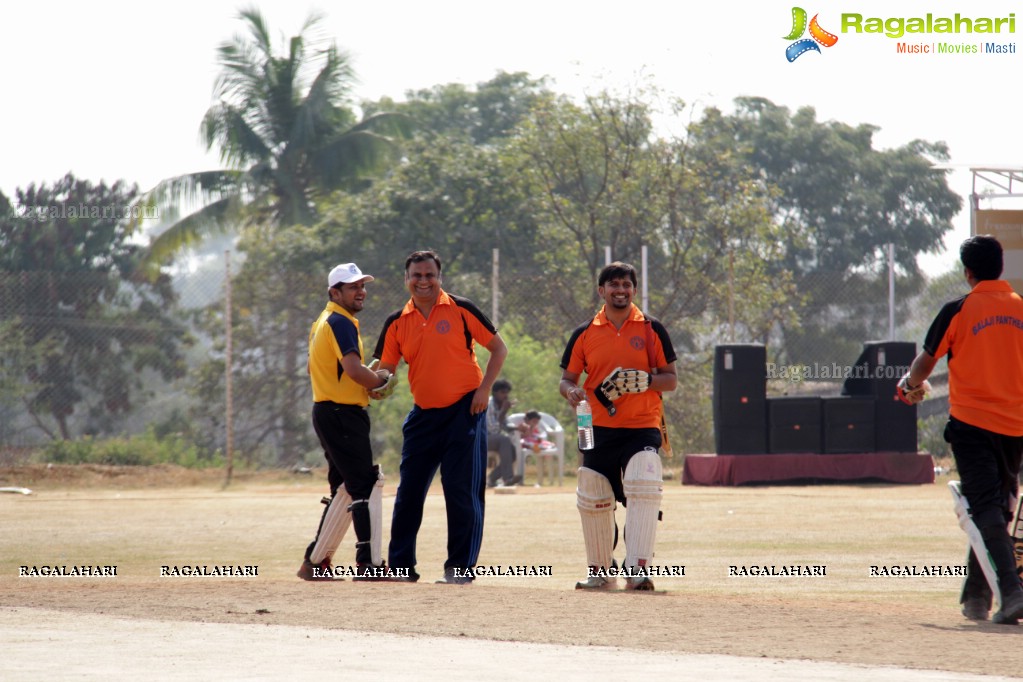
(435, 333)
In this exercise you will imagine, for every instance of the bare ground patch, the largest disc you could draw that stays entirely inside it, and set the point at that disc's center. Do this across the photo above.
(845, 616)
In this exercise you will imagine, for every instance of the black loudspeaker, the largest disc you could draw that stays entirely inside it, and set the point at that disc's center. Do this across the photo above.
(895, 424)
(876, 372)
(879, 368)
(848, 424)
(794, 424)
(740, 399)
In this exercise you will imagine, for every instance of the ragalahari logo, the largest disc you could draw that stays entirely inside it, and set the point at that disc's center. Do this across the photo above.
(817, 35)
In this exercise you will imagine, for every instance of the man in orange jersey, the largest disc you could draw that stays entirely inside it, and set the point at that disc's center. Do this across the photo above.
(435, 333)
(624, 464)
(982, 334)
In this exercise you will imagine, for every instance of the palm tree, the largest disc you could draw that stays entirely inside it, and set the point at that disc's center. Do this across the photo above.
(288, 139)
(285, 136)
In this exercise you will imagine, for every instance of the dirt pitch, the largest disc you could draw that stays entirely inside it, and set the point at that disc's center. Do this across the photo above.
(141, 520)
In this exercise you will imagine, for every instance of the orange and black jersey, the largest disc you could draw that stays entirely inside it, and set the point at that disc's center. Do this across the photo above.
(440, 350)
(982, 333)
(597, 347)
(334, 335)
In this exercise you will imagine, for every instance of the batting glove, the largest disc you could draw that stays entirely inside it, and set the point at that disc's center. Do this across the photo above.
(631, 380)
(911, 395)
(386, 390)
(622, 381)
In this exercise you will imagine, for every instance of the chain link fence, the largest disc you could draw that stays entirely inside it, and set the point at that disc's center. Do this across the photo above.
(837, 314)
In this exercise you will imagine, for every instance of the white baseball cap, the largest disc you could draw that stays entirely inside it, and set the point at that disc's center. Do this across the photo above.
(346, 273)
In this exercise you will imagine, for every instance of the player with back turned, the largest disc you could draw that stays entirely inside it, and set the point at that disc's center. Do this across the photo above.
(982, 335)
(624, 464)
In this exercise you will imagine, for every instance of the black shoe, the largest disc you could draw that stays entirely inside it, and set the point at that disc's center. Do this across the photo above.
(400, 577)
(456, 576)
(371, 573)
(976, 608)
(1011, 611)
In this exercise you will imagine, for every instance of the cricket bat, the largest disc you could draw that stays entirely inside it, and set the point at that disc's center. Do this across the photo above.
(665, 443)
(976, 544)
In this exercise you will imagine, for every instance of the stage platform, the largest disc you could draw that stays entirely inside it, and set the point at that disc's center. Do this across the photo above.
(885, 467)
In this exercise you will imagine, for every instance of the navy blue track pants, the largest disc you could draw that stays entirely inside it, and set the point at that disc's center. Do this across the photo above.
(454, 441)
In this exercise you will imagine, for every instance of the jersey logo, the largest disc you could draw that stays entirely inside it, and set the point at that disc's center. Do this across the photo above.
(443, 327)
(637, 342)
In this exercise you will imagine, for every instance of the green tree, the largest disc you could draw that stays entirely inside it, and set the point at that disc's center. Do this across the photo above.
(78, 325)
(849, 198)
(274, 292)
(456, 191)
(455, 197)
(602, 177)
(288, 137)
(840, 202)
(286, 133)
(486, 114)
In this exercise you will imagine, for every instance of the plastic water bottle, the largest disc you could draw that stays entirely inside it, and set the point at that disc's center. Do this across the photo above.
(584, 418)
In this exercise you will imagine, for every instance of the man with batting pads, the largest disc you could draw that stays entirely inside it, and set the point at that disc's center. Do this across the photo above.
(628, 360)
(982, 335)
(341, 392)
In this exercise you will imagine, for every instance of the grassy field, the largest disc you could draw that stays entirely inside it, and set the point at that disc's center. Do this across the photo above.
(844, 528)
(141, 523)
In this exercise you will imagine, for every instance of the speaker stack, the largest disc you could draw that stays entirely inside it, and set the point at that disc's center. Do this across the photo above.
(876, 374)
(867, 417)
(740, 399)
(849, 424)
(794, 423)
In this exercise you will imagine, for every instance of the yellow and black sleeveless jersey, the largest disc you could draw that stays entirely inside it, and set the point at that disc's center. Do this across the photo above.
(982, 333)
(334, 335)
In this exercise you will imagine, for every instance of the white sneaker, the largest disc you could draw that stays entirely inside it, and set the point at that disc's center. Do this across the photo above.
(597, 582)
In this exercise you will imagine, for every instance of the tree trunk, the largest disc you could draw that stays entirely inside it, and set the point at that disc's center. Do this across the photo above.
(288, 408)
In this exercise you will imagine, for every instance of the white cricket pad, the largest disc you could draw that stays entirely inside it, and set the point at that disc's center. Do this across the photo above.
(644, 487)
(962, 507)
(335, 525)
(596, 502)
(376, 516)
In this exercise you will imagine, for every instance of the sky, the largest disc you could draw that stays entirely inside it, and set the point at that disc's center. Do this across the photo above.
(117, 90)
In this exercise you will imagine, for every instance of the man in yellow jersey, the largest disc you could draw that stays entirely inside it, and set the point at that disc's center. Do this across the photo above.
(982, 334)
(341, 385)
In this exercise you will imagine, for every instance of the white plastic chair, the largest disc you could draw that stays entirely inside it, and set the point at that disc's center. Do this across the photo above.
(555, 433)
